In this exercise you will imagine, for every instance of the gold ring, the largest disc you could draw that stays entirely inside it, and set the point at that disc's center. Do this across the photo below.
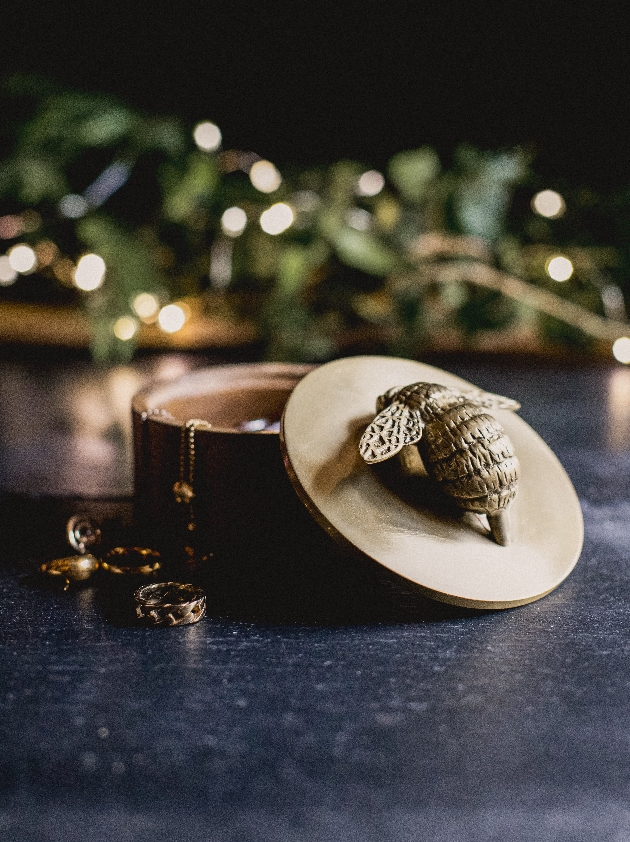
(143, 561)
(170, 603)
(76, 568)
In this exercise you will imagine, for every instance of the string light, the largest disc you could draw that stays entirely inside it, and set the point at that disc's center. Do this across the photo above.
(46, 251)
(90, 272)
(146, 306)
(8, 274)
(559, 268)
(125, 328)
(22, 259)
(207, 136)
(549, 204)
(359, 219)
(621, 349)
(172, 318)
(276, 219)
(370, 184)
(73, 206)
(265, 177)
(10, 226)
(64, 269)
(233, 221)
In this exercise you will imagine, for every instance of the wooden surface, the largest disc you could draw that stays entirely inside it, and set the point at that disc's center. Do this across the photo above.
(317, 701)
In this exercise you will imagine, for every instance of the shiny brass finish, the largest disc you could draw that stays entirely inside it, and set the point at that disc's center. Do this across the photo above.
(462, 446)
(82, 533)
(170, 603)
(74, 568)
(131, 561)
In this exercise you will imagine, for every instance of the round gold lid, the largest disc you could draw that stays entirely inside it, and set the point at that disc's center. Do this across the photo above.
(398, 521)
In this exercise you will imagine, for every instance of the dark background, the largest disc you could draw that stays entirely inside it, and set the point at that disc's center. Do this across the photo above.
(312, 82)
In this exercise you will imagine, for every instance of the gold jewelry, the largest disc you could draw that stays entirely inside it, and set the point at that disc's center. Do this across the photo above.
(74, 568)
(184, 488)
(170, 603)
(142, 561)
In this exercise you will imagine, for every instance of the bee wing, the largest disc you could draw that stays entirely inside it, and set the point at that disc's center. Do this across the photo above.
(489, 400)
(391, 430)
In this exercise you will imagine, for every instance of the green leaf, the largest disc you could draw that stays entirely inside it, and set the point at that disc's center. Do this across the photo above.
(364, 251)
(128, 261)
(412, 171)
(37, 179)
(293, 269)
(183, 193)
(105, 127)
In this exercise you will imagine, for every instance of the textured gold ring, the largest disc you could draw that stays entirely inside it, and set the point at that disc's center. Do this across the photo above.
(170, 603)
(76, 568)
(131, 561)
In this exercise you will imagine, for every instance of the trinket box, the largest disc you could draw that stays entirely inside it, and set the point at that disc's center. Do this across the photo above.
(266, 458)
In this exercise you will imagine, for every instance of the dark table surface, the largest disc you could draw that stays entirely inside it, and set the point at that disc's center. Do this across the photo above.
(342, 705)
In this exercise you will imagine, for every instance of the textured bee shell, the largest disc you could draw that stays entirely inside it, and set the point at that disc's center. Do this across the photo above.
(468, 453)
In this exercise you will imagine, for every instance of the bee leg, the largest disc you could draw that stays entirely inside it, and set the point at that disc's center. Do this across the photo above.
(500, 527)
(411, 461)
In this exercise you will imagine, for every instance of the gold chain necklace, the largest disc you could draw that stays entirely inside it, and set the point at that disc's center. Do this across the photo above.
(184, 488)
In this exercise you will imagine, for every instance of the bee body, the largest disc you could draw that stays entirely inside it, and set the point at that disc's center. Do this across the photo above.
(463, 447)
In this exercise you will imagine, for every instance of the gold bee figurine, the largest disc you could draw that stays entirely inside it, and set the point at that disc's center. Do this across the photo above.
(463, 448)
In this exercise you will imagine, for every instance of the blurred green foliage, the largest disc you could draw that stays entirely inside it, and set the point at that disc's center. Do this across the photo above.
(353, 270)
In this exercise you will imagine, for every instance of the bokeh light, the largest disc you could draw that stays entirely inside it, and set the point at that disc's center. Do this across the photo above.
(549, 204)
(265, 177)
(233, 221)
(125, 328)
(46, 251)
(90, 272)
(10, 226)
(63, 269)
(621, 349)
(207, 136)
(359, 219)
(73, 206)
(370, 184)
(146, 306)
(172, 318)
(276, 219)
(8, 274)
(559, 268)
(22, 258)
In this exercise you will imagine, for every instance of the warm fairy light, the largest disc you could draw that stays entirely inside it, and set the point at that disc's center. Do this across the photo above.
(22, 258)
(549, 204)
(559, 268)
(7, 272)
(73, 206)
(46, 251)
(370, 184)
(125, 328)
(359, 218)
(146, 306)
(265, 177)
(276, 219)
(172, 318)
(10, 226)
(90, 272)
(207, 136)
(233, 221)
(621, 349)
(63, 269)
